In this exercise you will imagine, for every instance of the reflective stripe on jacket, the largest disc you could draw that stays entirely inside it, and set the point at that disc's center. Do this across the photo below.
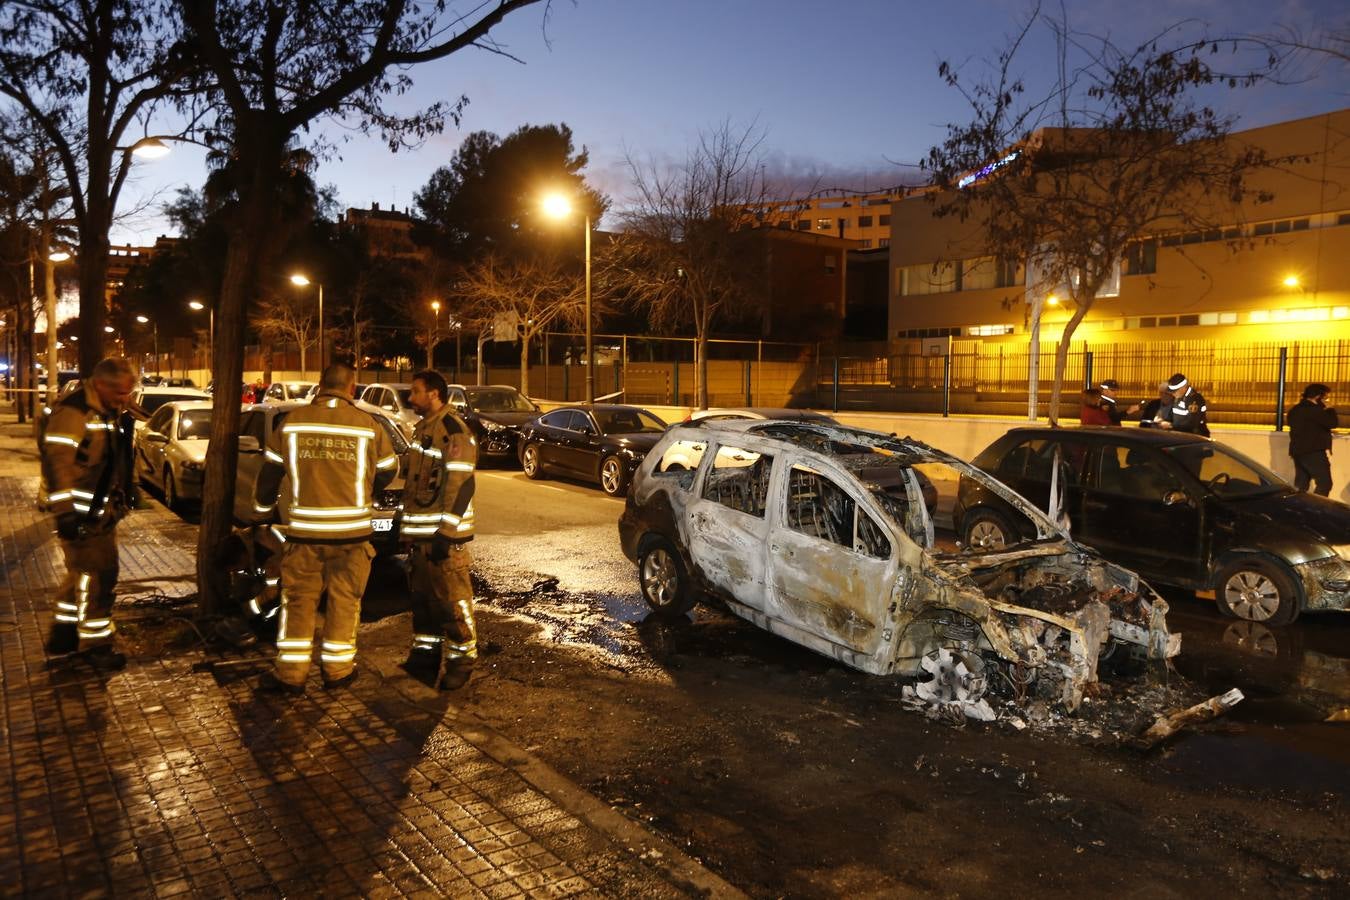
(438, 491)
(77, 443)
(337, 457)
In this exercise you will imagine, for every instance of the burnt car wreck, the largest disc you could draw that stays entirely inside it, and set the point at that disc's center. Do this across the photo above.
(842, 540)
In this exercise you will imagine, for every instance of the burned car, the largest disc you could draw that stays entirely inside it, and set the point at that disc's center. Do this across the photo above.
(824, 535)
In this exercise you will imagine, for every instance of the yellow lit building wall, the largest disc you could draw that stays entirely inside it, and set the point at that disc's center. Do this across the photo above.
(1285, 275)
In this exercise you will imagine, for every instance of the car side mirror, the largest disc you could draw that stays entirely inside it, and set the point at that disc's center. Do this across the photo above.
(249, 444)
(1175, 498)
(155, 437)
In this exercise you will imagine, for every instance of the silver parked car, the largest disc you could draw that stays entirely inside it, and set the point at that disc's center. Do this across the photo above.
(393, 399)
(170, 450)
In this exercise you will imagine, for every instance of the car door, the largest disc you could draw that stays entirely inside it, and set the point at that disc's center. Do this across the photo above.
(153, 441)
(588, 443)
(1030, 469)
(832, 561)
(551, 431)
(1139, 513)
(728, 524)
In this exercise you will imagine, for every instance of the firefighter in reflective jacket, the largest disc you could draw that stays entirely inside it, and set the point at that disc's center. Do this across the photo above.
(438, 517)
(1187, 411)
(85, 446)
(337, 458)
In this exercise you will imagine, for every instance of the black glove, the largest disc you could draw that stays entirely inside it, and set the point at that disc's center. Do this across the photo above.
(68, 526)
(440, 549)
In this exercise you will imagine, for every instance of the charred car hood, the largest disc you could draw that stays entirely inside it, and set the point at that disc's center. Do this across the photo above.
(1296, 514)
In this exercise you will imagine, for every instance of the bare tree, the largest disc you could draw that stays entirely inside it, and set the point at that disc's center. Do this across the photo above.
(686, 251)
(1119, 149)
(277, 66)
(288, 320)
(535, 291)
(88, 72)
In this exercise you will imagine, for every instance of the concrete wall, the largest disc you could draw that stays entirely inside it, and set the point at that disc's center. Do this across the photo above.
(966, 436)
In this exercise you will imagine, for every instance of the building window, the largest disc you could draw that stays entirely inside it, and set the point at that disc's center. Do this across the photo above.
(978, 274)
(884, 242)
(824, 224)
(803, 224)
(1011, 273)
(864, 221)
(989, 330)
(928, 332)
(867, 244)
(1141, 258)
(884, 219)
(928, 278)
(829, 265)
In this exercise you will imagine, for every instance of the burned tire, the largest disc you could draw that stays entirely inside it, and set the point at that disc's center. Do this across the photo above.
(986, 529)
(665, 583)
(613, 476)
(529, 462)
(1258, 590)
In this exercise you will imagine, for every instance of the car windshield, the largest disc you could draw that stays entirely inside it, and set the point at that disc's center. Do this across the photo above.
(152, 402)
(299, 388)
(628, 421)
(1225, 471)
(498, 401)
(195, 425)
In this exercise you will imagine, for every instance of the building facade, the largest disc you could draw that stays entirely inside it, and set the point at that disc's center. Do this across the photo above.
(1278, 271)
(865, 218)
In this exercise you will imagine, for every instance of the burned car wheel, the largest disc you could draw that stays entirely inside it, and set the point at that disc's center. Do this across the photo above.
(985, 529)
(665, 584)
(529, 462)
(613, 478)
(1257, 590)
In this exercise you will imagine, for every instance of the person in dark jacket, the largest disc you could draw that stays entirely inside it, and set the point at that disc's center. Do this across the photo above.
(1187, 412)
(1310, 424)
(1149, 412)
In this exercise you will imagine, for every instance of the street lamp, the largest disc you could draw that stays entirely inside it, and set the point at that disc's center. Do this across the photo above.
(557, 206)
(154, 327)
(210, 333)
(300, 279)
(431, 338)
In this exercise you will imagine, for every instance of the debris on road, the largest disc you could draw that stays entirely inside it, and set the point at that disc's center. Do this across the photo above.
(1166, 726)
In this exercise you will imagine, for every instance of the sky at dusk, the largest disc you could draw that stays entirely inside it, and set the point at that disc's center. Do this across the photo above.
(846, 93)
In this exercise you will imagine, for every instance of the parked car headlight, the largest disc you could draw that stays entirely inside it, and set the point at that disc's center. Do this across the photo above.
(493, 426)
(191, 465)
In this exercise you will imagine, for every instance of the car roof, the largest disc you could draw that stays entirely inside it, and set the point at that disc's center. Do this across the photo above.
(761, 412)
(155, 389)
(188, 405)
(1152, 437)
(601, 407)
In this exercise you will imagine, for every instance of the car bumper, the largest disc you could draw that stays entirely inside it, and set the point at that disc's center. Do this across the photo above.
(1326, 584)
(498, 444)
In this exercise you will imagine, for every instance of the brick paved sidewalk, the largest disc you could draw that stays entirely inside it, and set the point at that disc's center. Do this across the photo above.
(174, 778)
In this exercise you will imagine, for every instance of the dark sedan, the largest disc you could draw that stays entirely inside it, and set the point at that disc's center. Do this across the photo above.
(496, 413)
(1179, 510)
(603, 443)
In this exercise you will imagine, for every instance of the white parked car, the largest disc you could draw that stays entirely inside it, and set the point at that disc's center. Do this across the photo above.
(170, 451)
(393, 399)
(278, 391)
(151, 397)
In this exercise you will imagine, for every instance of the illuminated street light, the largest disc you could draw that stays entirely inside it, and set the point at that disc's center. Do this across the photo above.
(154, 327)
(149, 148)
(557, 206)
(57, 256)
(302, 280)
(1053, 300)
(1291, 281)
(431, 338)
(198, 306)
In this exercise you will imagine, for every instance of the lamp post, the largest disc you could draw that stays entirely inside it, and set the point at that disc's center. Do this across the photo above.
(431, 336)
(559, 207)
(302, 280)
(210, 332)
(154, 329)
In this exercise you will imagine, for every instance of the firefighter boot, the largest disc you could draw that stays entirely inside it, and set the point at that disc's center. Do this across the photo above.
(423, 663)
(457, 672)
(106, 659)
(63, 638)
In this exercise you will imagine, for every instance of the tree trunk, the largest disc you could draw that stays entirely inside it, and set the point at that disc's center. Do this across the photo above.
(356, 349)
(525, 365)
(701, 371)
(1034, 359)
(53, 355)
(93, 269)
(247, 236)
(1062, 353)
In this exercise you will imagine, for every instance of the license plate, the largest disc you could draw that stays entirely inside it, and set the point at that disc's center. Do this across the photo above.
(382, 525)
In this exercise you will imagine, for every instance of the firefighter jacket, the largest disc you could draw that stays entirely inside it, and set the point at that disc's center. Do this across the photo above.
(438, 491)
(86, 460)
(337, 458)
(1188, 414)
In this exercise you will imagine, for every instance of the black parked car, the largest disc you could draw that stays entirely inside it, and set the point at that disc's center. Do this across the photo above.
(496, 413)
(1179, 510)
(602, 443)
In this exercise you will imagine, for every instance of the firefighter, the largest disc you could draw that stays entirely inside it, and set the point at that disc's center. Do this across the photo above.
(85, 446)
(1186, 411)
(337, 458)
(438, 518)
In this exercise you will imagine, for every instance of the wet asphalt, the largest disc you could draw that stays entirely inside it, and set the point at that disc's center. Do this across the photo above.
(1296, 678)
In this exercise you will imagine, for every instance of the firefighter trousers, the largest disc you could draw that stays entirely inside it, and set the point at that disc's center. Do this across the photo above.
(442, 603)
(307, 570)
(86, 596)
